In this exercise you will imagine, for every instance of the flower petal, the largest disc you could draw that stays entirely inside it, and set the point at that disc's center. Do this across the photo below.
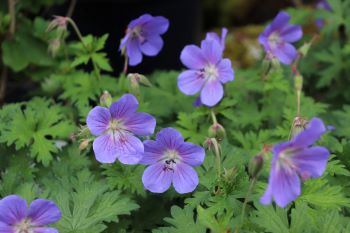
(291, 33)
(225, 71)
(153, 152)
(130, 149)
(212, 93)
(311, 162)
(134, 52)
(105, 148)
(284, 187)
(311, 134)
(152, 45)
(212, 50)
(191, 154)
(280, 21)
(185, 179)
(43, 212)
(192, 57)
(156, 179)
(140, 20)
(169, 138)
(98, 120)
(140, 123)
(157, 25)
(13, 209)
(4, 228)
(190, 82)
(285, 52)
(45, 230)
(124, 107)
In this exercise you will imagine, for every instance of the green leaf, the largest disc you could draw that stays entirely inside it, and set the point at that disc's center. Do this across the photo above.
(86, 203)
(182, 221)
(36, 127)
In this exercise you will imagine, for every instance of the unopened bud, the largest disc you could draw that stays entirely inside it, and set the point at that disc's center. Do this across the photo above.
(255, 165)
(298, 82)
(135, 79)
(59, 22)
(106, 99)
(216, 131)
(54, 46)
(299, 124)
(84, 144)
(304, 49)
(209, 143)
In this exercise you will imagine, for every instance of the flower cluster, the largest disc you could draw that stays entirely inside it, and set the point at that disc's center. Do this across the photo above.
(169, 157)
(17, 217)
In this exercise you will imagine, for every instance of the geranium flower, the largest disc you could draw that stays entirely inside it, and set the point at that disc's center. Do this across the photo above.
(207, 73)
(294, 160)
(322, 5)
(171, 160)
(143, 36)
(116, 127)
(16, 217)
(278, 36)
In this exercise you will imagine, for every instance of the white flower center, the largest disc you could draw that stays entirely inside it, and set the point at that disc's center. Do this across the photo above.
(210, 72)
(170, 158)
(115, 125)
(24, 227)
(274, 39)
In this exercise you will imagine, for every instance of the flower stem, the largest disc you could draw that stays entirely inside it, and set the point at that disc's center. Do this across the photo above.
(246, 199)
(125, 69)
(77, 31)
(213, 116)
(217, 152)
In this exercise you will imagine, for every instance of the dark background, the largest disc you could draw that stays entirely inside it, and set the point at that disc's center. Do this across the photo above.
(189, 20)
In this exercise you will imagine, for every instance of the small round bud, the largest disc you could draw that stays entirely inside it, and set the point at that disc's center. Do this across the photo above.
(216, 131)
(84, 144)
(255, 165)
(106, 99)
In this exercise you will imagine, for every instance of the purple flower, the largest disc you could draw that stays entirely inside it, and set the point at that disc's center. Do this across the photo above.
(116, 127)
(293, 160)
(143, 37)
(171, 160)
(278, 36)
(207, 73)
(220, 40)
(16, 217)
(322, 5)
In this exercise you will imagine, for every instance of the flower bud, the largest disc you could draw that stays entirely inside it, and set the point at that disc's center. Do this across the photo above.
(304, 49)
(299, 124)
(84, 144)
(106, 99)
(136, 79)
(255, 165)
(209, 143)
(216, 131)
(54, 46)
(59, 22)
